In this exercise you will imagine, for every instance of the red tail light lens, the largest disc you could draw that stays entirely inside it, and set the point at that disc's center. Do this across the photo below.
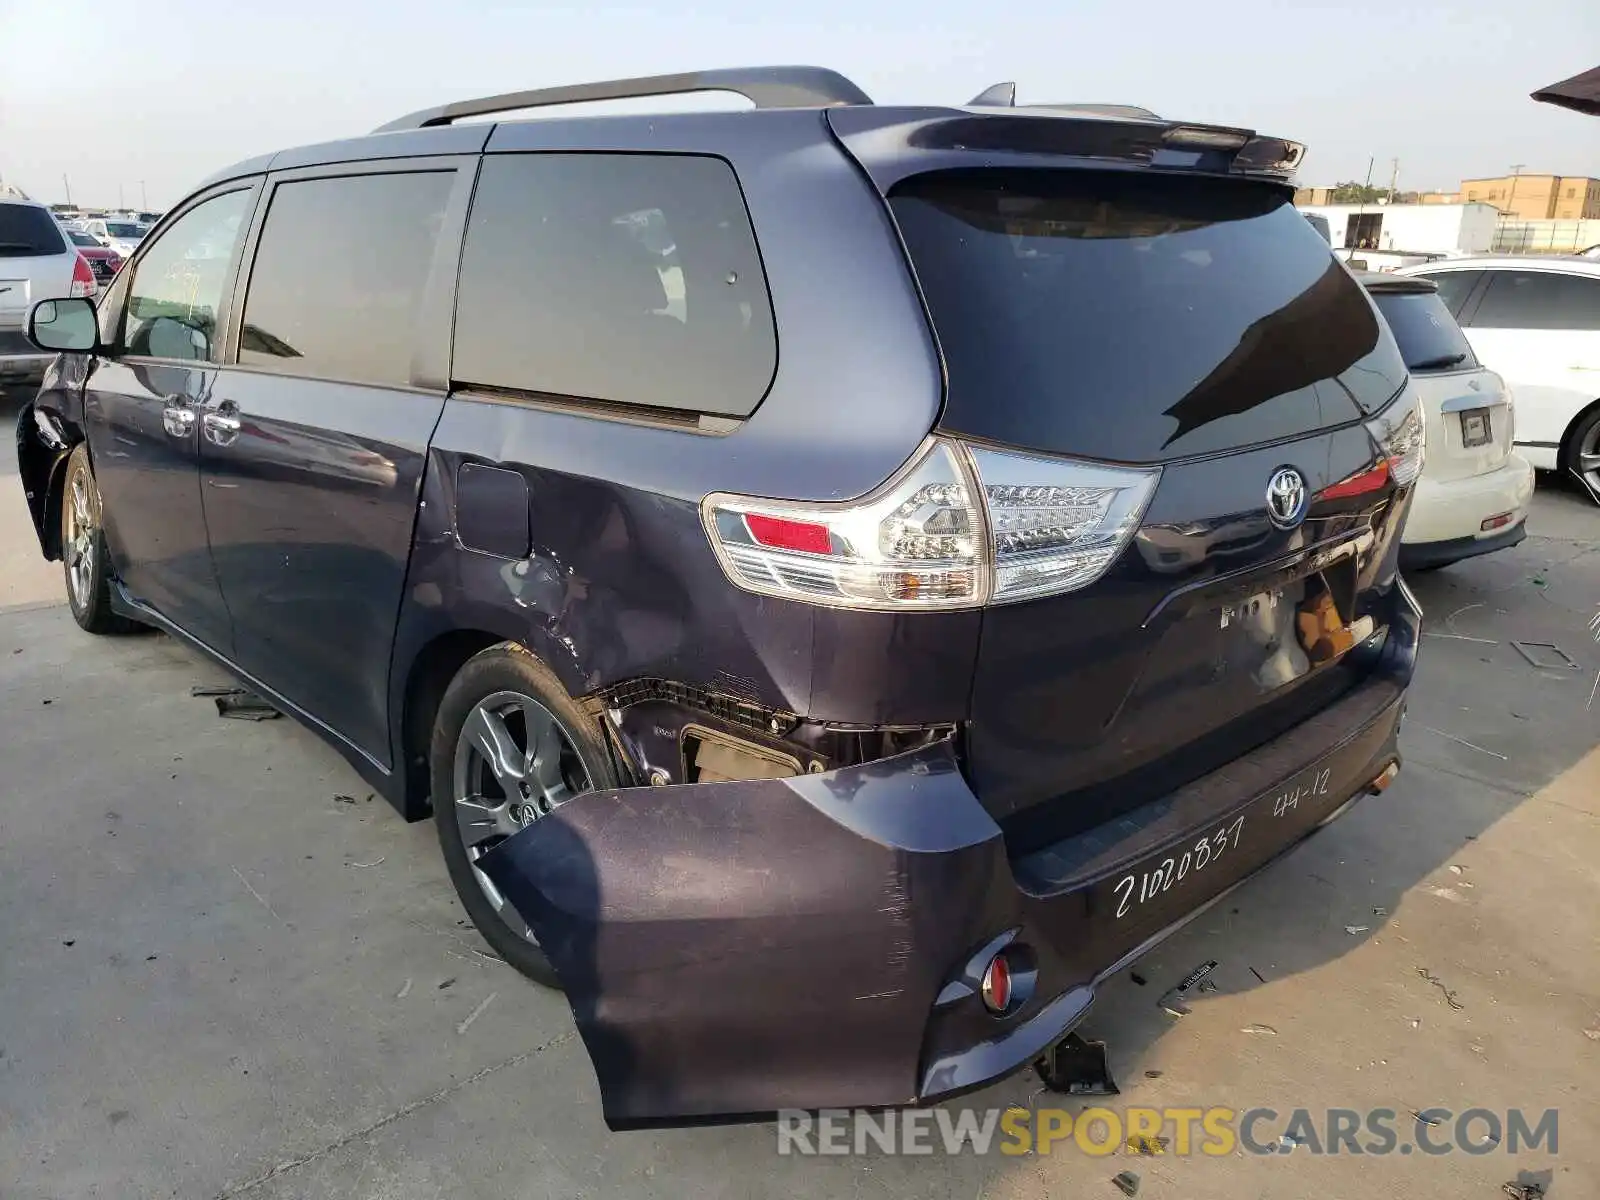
(82, 278)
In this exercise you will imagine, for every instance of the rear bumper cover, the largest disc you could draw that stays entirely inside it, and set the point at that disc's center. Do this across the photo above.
(732, 949)
(1453, 511)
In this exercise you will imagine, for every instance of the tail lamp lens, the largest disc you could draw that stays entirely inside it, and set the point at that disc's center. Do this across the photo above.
(82, 278)
(958, 527)
(997, 984)
(1402, 435)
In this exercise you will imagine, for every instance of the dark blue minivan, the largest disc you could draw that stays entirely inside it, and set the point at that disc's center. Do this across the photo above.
(844, 579)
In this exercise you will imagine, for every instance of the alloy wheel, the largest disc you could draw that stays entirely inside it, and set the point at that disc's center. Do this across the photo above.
(514, 763)
(1589, 458)
(79, 547)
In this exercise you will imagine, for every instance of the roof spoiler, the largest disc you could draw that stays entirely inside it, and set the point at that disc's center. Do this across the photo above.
(765, 87)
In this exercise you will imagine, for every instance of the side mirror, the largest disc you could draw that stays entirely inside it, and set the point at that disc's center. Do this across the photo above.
(70, 325)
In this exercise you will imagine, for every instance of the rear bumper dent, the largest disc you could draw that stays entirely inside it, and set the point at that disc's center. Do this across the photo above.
(732, 949)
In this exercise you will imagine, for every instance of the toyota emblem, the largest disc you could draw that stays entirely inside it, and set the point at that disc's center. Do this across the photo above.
(1286, 498)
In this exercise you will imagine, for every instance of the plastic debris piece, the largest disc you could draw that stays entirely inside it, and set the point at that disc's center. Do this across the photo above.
(221, 689)
(343, 799)
(1456, 868)
(1519, 1191)
(245, 706)
(1077, 1068)
(1157, 1074)
(1173, 1001)
(1380, 912)
(1268, 1030)
(1353, 930)
(1127, 1183)
(1149, 1147)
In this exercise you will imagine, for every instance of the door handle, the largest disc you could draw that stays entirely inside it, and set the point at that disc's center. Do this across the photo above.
(177, 418)
(222, 426)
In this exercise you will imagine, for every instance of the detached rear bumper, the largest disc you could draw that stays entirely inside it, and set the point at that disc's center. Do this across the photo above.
(736, 948)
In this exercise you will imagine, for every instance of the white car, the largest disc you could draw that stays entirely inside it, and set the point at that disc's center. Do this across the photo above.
(1474, 492)
(122, 236)
(37, 262)
(1537, 322)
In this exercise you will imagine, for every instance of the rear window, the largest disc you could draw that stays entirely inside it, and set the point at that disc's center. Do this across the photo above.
(628, 278)
(1428, 336)
(28, 232)
(1138, 319)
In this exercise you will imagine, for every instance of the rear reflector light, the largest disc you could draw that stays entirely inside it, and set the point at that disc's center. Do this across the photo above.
(1497, 522)
(997, 985)
(82, 278)
(1383, 779)
(957, 527)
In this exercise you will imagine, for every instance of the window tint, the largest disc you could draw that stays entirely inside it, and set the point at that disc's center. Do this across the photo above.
(1138, 319)
(177, 286)
(1454, 287)
(1428, 336)
(1539, 300)
(627, 278)
(339, 274)
(28, 232)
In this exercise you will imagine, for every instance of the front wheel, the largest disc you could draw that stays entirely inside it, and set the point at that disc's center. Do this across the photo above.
(84, 562)
(509, 746)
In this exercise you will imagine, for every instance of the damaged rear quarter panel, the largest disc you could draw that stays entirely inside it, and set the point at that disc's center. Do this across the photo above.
(736, 948)
(47, 429)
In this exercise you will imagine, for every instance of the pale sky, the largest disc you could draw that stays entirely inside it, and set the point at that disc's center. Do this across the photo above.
(160, 93)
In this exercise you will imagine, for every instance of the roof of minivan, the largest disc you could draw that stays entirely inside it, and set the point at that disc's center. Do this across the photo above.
(431, 132)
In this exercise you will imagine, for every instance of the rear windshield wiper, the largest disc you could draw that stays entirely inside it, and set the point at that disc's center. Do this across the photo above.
(1439, 363)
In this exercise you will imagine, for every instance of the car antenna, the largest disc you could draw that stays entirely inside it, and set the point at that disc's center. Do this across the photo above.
(1000, 95)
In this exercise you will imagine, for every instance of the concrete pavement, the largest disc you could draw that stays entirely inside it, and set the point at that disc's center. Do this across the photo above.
(224, 971)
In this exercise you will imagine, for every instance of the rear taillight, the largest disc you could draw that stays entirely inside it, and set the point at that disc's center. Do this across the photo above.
(1401, 436)
(83, 283)
(957, 527)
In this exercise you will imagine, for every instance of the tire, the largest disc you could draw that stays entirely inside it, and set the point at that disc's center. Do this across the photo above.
(506, 683)
(1580, 455)
(85, 565)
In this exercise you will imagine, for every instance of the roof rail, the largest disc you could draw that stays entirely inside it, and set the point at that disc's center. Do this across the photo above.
(765, 87)
(1103, 110)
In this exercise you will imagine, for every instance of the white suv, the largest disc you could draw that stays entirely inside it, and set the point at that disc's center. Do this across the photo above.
(1474, 491)
(1537, 322)
(37, 262)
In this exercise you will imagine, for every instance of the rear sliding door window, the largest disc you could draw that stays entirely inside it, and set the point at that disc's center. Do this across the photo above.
(1138, 319)
(1455, 287)
(1428, 336)
(339, 275)
(627, 278)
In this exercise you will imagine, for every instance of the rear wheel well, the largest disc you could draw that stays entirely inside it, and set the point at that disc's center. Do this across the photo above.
(435, 666)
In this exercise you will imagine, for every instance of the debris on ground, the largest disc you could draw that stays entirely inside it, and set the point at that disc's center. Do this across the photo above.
(1516, 1191)
(1267, 1030)
(1448, 993)
(1157, 1074)
(246, 706)
(1467, 744)
(1422, 1120)
(1592, 1034)
(1208, 985)
(1260, 978)
(1380, 912)
(1137, 978)
(444, 983)
(341, 798)
(1077, 1068)
(1127, 1183)
(377, 862)
(404, 991)
(1546, 656)
(1172, 1002)
(1352, 930)
(1149, 1147)
(218, 689)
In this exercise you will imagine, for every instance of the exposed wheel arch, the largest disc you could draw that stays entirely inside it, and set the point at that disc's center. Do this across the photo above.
(435, 665)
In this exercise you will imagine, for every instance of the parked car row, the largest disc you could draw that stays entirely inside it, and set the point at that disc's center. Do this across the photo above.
(38, 261)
